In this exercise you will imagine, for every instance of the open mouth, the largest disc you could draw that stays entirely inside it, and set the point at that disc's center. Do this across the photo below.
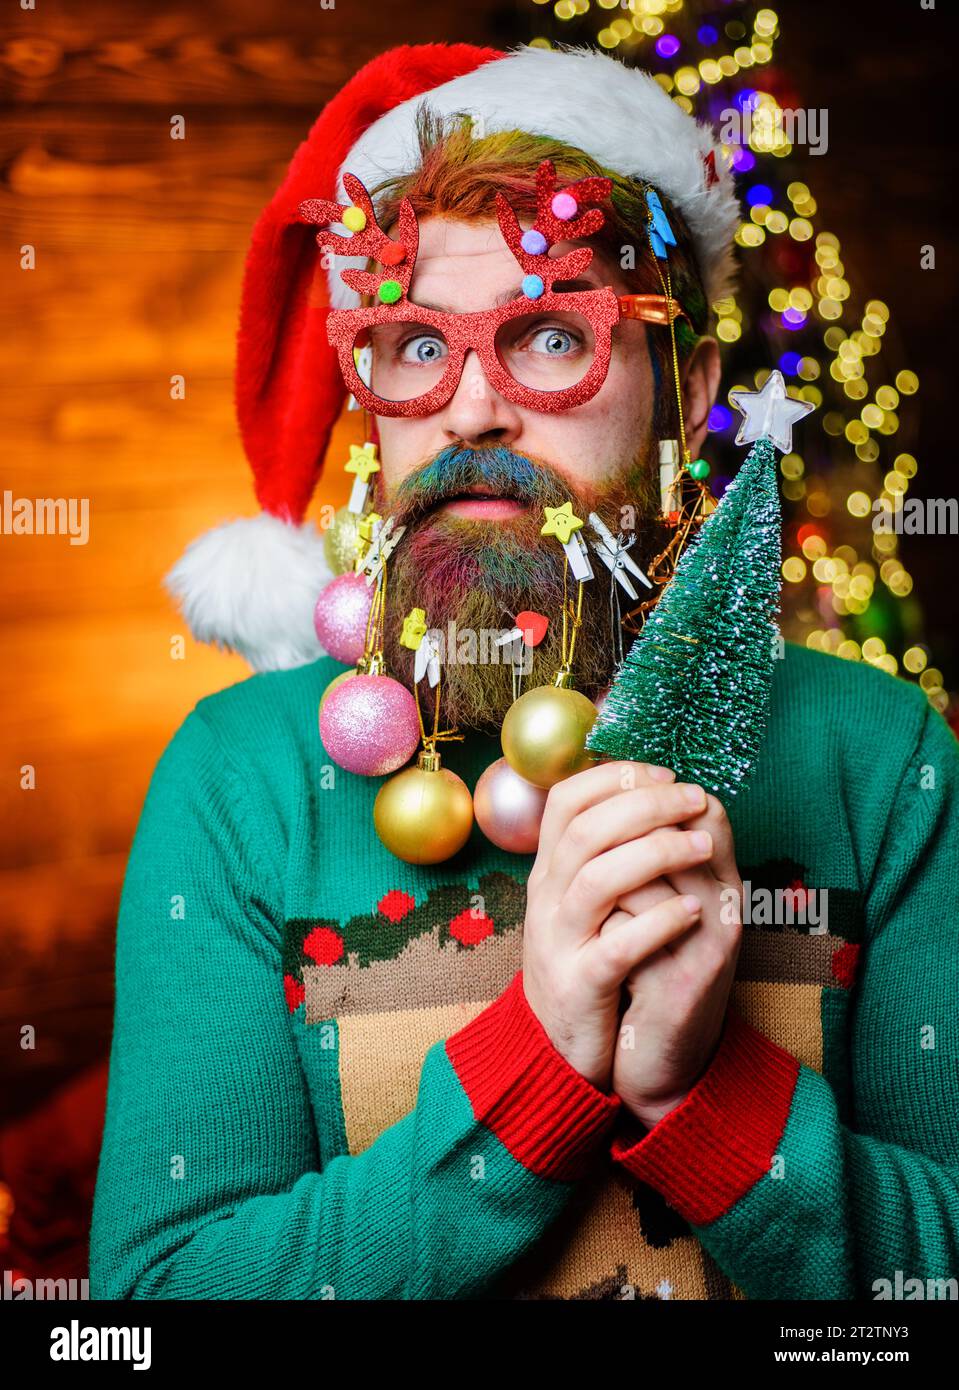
(481, 500)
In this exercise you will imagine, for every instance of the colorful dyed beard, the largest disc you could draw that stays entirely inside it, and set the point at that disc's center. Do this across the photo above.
(471, 577)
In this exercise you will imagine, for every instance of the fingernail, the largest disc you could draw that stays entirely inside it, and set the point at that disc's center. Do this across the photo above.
(691, 904)
(660, 774)
(701, 840)
(693, 795)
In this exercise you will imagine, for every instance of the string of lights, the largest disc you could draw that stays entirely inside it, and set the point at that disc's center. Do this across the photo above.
(846, 588)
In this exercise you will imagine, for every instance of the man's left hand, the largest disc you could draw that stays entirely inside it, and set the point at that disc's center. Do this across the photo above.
(677, 999)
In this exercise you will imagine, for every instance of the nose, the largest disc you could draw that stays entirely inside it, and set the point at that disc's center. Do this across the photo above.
(476, 413)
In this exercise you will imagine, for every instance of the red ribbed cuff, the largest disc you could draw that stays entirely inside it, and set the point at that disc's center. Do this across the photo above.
(540, 1108)
(707, 1153)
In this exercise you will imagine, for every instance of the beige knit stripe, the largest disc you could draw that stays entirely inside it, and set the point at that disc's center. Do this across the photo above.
(423, 975)
(790, 956)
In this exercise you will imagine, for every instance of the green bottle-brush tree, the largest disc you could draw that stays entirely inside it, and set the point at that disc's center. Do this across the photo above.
(693, 692)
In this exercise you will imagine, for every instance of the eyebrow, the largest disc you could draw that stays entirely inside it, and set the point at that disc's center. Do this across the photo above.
(508, 296)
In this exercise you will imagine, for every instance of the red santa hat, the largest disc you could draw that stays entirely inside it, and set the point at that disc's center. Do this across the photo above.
(250, 585)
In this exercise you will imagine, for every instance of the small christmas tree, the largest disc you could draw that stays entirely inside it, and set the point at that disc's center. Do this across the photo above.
(693, 693)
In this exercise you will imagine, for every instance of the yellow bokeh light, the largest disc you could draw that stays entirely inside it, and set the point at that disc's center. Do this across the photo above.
(858, 504)
(907, 382)
(793, 570)
(687, 81)
(748, 235)
(814, 547)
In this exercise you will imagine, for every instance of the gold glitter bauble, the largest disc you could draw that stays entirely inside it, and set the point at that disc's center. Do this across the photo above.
(544, 734)
(422, 816)
(339, 540)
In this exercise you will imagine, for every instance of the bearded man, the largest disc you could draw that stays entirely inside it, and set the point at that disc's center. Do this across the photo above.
(573, 1074)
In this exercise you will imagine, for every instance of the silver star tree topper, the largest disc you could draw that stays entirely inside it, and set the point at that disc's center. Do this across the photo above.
(769, 413)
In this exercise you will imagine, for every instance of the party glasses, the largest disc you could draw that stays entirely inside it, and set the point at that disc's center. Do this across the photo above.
(547, 349)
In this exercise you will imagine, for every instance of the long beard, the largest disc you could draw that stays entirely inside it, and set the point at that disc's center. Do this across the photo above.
(472, 577)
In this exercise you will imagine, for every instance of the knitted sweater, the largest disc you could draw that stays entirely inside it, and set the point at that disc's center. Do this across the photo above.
(326, 1082)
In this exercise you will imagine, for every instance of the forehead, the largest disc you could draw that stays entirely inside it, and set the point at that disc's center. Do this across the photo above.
(464, 265)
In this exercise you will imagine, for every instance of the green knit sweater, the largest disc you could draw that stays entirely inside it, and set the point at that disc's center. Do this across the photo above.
(325, 1080)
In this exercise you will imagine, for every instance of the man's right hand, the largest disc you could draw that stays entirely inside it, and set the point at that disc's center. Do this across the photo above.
(605, 832)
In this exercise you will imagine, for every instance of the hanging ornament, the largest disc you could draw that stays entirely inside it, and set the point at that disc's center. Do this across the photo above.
(370, 724)
(508, 809)
(341, 615)
(424, 814)
(544, 732)
(340, 540)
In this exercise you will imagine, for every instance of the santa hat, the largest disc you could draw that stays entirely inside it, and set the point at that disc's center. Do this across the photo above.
(251, 585)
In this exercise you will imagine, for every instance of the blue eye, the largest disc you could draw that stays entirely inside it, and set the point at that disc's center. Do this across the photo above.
(554, 342)
(423, 349)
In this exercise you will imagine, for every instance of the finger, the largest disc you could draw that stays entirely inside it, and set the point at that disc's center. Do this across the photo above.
(620, 818)
(637, 900)
(631, 940)
(600, 883)
(716, 821)
(574, 794)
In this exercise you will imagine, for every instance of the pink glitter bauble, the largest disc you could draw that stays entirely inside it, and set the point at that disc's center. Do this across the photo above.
(508, 809)
(340, 617)
(369, 725)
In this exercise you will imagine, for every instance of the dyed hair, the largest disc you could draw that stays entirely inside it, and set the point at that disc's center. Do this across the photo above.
(459, 176)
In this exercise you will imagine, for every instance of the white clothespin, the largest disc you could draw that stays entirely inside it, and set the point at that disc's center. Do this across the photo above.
(363, 463)
(383, 544)
(612, 552)
(426, 662)
(668, 471)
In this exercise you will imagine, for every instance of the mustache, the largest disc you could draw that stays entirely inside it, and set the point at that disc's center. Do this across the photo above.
(457, 468)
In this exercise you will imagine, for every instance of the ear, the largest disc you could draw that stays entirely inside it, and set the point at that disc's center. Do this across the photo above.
(700, 386)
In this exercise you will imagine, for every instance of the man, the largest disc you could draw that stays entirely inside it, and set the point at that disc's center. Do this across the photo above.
(576, 1075)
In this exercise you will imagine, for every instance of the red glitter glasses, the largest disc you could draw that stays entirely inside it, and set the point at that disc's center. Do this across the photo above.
(546, 349)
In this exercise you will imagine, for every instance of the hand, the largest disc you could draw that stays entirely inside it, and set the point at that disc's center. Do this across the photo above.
(606, 832)
(678, 997)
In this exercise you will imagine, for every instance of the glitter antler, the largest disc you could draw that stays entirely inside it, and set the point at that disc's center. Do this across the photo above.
(558, 218)
(367, 238)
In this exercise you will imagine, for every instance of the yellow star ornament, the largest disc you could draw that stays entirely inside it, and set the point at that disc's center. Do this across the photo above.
(363, 461)
(561, 522)
(414, 629)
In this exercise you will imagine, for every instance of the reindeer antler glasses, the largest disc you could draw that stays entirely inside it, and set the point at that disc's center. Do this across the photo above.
(546, 349)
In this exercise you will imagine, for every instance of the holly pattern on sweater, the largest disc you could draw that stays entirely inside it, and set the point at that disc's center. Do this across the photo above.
(332, 1051)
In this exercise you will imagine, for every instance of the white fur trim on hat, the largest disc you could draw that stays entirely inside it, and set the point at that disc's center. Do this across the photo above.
(619, 116)
(251, 586)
